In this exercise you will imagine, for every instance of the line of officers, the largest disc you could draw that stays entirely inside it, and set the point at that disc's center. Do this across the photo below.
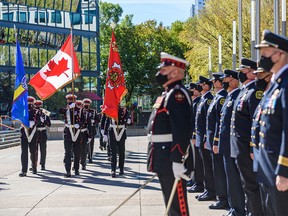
(240, 135)
(81, 122)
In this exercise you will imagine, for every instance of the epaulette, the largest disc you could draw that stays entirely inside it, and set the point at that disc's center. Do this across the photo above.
(177, 87)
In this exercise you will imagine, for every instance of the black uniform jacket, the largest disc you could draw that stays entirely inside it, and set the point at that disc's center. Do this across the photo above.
(241, 120)
(171, 118)
(273, 145)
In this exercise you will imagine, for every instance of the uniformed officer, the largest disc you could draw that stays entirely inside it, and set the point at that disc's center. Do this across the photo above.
(273, 145)
(169, 133)
(198, 178)
(212, 128)
(200, 126)
(104, 138)
(74, 120)
(241, 123)
(116, 132)
(94, 119)
(263, 83)
(28, 139)
(236, 197)
(42, 132)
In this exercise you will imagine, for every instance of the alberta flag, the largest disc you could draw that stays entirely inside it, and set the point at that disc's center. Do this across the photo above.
(20, 102)
(62, 69)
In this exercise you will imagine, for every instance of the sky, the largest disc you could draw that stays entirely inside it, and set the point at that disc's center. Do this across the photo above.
(165, 11)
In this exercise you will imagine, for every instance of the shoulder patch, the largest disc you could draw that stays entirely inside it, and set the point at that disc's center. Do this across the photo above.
(259, 94)
(179, 97)
(209, 101)
(222, 100)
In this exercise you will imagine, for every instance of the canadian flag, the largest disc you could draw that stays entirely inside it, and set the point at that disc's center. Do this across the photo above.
(58, 72)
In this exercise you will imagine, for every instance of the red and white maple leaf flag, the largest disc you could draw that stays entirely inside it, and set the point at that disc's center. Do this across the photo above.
(58, 72)
(115, 88)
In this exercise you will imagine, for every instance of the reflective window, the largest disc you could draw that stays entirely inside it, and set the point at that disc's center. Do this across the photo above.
(75, 18)
(56, 17)
(8, 16)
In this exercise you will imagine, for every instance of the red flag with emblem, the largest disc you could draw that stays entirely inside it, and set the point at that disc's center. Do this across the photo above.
(115, 88)
(58, 72)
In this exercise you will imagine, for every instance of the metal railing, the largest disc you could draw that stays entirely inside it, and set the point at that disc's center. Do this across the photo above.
(9, 138)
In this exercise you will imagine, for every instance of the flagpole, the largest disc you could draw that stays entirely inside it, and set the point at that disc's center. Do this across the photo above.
(72, 69)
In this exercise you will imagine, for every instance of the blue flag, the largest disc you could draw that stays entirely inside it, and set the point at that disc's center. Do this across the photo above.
(20, 101)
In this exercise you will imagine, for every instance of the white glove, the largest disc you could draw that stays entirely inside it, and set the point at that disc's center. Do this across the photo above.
(102, 132)
(42, 119)
(92, 121)
(128, 121)
(89, 140)
(76, 126)
(179, 171)
(72, 105)
(105, 138)
(31, 124)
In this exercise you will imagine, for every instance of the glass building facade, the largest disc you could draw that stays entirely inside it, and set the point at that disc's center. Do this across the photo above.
(42, 27)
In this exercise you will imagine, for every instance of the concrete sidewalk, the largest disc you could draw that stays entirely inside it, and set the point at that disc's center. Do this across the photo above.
(94, 192)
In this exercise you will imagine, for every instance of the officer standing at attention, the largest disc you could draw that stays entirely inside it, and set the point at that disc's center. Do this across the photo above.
(200, 126)
(263, 83)
(73, 121)
(116, 132)
(169, 133)
(198, 178)
(273, 145)
(212, 128)
(28, 138)
(42, 132)
(94, 121)
(241, 123)
(236, 197)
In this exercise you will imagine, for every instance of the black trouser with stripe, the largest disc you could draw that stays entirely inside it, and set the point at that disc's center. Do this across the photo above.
(179, 206)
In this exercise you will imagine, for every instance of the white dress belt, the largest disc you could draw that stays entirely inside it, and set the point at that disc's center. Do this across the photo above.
(159, 138)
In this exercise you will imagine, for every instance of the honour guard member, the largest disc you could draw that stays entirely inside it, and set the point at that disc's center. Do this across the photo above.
(94, 121)
(73, 123)
(263, 83)
(42, 132)
(169, 134)
(200, 126)
(198, 178)
(103, 138)
(116, 132)
(273, 145)
(212, 128)
(28, 139)
(236, 197)
(241, 123)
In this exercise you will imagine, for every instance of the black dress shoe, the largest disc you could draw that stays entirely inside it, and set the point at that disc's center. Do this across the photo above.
(22, 174)
(219, 205)
(43, 167)
(206, 197)
(121, 173)
(90, 161)
(30, 169)
(83, 167)
(113, 175)
(196, 189)
(190, 183)
(67, 175)
(199, 195)
(77, 172)
(34, 171)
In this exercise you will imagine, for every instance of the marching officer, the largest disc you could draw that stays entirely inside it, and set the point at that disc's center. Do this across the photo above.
(116, 131)
(28, 139)
(200, 126)
(273, 145)
(169, 133)
(94, 121)
(74, 120)
(236, 197)
(241, 123)
(42, 132)
(103, 138)
(212, 128)
(198, 178)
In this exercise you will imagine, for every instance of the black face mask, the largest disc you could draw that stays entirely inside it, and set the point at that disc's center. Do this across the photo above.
(86, 106)
(191, 93)
(225, 85)
(30, 106)
(70, 102)
(199, 88)
(161, 79)
(261, 84)
(266, 62)
(242, 77)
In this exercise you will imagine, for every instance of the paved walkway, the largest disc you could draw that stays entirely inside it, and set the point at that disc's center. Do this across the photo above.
(94, 192)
